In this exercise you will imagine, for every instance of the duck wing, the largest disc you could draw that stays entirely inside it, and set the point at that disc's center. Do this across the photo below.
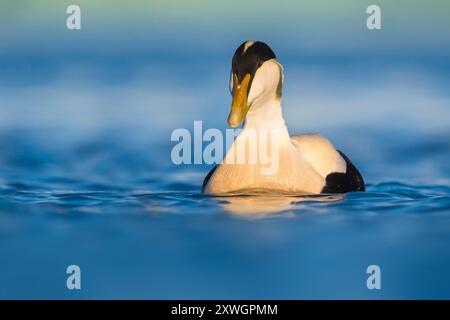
(333, 165)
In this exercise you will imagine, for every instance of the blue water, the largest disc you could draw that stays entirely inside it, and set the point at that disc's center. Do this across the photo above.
(86, 179)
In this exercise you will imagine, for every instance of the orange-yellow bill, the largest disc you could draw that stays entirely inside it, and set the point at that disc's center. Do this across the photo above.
(239, 106)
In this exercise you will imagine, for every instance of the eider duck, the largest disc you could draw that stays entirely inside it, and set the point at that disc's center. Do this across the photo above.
(307, 164)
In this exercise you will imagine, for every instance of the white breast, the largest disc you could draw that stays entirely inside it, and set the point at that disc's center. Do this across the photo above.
(294, 173)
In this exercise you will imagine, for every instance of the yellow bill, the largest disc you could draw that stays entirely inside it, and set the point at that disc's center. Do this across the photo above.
(239, 106)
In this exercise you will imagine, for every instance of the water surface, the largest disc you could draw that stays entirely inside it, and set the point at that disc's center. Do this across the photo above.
(86, 179)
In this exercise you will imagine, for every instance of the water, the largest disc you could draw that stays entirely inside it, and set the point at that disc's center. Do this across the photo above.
(86, 179)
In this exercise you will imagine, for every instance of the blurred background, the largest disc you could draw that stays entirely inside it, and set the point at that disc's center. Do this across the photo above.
(148, 67)
(85, 170)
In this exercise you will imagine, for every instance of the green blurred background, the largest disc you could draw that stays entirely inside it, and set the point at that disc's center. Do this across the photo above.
(326, 27)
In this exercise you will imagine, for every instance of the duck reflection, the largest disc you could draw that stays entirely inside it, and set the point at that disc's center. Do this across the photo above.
(264, 206)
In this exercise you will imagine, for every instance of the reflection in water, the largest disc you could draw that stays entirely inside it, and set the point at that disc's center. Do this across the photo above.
(257, 206)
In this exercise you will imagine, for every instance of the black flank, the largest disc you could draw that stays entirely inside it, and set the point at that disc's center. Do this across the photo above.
(208, 176)
(351, 180)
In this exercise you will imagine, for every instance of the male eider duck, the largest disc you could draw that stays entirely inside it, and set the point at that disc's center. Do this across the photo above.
(307, 164)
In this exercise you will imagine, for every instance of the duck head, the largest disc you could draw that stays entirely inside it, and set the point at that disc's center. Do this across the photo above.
(256, 76)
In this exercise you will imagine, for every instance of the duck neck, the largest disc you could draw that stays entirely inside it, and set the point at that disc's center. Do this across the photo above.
(266, 115)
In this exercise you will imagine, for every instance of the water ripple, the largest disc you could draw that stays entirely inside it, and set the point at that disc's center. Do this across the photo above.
(388, 197)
